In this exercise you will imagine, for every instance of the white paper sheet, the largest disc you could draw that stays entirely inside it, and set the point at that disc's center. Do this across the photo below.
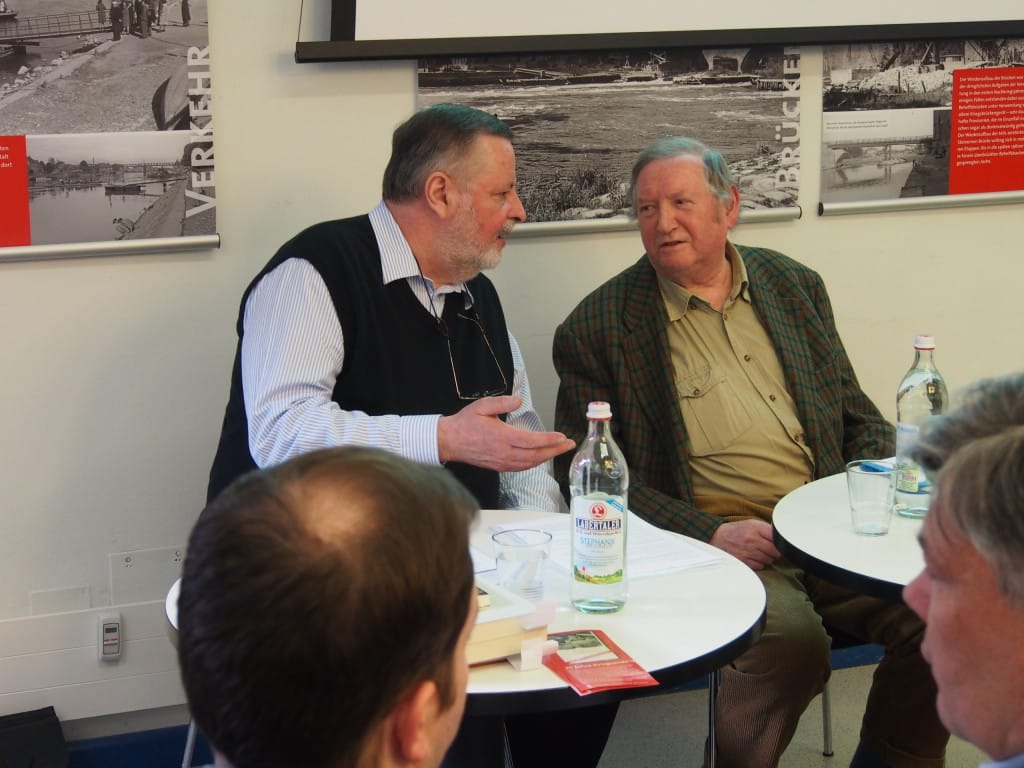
(650, 551)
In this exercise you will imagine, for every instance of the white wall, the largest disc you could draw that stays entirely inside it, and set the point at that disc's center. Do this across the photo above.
(115, 370)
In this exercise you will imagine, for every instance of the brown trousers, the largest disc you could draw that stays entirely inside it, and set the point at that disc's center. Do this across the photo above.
(764, 691)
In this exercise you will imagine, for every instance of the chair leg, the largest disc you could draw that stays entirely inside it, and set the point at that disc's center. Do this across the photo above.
(190, 744)
(826, 722)
(711, 760)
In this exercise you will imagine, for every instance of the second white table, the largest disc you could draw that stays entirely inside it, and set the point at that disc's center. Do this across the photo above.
(813, 530)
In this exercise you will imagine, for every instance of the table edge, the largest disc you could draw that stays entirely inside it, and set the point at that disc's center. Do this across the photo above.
(670, 679)
(872, 586)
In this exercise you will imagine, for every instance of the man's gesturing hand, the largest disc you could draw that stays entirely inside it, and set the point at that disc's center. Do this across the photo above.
(475, 435)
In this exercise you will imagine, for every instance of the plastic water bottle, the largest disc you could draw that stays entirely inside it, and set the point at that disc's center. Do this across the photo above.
(598, 485)
(921, 394)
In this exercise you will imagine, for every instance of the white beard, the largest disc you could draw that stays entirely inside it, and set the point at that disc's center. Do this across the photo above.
(463, 255)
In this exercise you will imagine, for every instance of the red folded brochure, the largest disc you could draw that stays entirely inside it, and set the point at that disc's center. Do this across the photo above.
(589, 662)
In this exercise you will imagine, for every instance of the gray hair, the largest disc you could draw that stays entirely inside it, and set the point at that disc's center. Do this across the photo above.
(716, 170)
(975, 456)
(435, 138)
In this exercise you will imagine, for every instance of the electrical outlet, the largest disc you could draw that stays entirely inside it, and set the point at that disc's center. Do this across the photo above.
(143, 575)
(109, 636)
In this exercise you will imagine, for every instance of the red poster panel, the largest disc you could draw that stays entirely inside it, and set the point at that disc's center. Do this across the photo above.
(14, 220)
(987, 141)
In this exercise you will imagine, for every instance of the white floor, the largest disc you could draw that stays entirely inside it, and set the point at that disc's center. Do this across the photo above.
(669, 731)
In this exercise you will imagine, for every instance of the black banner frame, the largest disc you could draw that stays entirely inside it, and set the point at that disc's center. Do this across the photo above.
(344, 47)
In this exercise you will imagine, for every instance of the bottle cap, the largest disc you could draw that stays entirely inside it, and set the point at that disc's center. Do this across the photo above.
(599, 410)
(924, 341)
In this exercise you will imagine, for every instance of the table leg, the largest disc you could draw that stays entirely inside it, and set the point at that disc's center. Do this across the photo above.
(190, 744)
(508, 762)
(712, 748)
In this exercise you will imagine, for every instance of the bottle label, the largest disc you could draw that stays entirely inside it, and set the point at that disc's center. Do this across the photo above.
(599, 538)
(908, 476)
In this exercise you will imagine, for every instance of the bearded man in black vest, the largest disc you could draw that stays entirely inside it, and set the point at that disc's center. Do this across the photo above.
(379, 330)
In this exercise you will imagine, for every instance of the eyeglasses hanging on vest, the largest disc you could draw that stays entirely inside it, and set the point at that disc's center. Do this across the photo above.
(475, 375)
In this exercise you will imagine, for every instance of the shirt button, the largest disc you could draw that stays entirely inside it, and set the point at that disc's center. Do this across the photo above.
(747, 358)
(696, 392)
(772, 398)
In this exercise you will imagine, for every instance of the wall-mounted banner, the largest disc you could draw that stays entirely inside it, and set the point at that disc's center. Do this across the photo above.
(107, 127)
(922, 124)
(581, 119)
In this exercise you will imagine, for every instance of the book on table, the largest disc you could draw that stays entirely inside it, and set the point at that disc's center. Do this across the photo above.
(504, 624)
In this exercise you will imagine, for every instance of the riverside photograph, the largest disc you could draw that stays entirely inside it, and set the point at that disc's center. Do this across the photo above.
(86, 188)
(580, 120)
(64, 68)
(113, 99)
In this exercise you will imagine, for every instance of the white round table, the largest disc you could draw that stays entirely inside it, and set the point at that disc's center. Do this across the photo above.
(171, 605)
(678, 626)
(813, 530)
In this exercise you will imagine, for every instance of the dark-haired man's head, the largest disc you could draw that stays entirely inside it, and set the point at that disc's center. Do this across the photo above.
(324, 611)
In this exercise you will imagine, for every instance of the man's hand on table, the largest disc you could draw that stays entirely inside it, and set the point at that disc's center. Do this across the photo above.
(747, 540)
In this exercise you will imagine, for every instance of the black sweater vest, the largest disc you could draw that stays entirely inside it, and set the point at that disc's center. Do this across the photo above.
(399, 358)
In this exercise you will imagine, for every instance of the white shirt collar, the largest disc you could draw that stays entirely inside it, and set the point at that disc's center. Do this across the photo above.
(398, 262)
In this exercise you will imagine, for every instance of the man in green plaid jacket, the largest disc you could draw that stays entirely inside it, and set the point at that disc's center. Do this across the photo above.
(730, 387)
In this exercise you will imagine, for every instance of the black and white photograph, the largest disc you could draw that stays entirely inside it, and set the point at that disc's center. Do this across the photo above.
(575, 647)
(114, 100)
(579, 120)
(90, 187)
(97, 66)
(888, 114)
